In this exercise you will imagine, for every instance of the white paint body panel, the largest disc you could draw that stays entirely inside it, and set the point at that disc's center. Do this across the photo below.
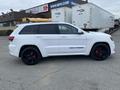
(59, 44)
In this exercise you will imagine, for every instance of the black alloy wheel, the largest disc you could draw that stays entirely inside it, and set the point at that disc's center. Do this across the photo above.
(31, 56)
(100, 52)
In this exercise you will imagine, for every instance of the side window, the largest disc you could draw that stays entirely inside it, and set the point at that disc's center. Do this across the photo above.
(40, 29)
(67, 29)
(48, 29)
(32, 29)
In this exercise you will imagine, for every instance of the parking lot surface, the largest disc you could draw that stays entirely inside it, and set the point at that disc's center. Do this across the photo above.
(60, 73)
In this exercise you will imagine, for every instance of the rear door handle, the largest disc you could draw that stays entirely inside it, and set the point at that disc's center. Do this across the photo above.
(64, 36)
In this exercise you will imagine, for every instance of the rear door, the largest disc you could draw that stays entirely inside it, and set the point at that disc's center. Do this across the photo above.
(48, 36)
(44, 35)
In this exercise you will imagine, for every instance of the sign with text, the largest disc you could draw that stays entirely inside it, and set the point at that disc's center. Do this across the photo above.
(38, 9)
(62, 3)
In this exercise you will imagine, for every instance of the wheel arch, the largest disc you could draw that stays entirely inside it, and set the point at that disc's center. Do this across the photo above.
(105, 43)
(25, 46)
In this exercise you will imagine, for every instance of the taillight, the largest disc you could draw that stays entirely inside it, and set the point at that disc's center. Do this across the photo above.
(11, 38)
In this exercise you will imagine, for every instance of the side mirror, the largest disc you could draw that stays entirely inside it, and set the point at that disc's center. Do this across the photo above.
(80, 32)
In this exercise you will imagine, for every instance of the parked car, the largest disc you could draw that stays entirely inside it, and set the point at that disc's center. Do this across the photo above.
(34, 41)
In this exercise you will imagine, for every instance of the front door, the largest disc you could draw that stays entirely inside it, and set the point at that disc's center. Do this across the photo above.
(70, 41)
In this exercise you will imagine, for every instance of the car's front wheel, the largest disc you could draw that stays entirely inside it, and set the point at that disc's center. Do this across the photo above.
(100, 52)
(31, 56)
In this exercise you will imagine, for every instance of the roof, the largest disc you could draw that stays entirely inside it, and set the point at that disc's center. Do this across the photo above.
(26, 24)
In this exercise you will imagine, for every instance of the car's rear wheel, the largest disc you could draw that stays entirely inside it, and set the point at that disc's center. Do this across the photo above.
(31, 56)
(100, 52)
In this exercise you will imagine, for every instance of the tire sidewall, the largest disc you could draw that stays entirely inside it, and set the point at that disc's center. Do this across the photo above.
(25, 61)
(92, 54)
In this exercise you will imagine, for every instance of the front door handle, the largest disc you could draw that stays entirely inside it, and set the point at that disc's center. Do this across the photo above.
(64, 37)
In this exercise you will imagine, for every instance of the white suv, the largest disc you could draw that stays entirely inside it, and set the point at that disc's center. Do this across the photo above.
(34, 41)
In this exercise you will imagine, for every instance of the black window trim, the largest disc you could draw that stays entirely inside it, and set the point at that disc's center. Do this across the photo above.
(58, 31)
(37, 32)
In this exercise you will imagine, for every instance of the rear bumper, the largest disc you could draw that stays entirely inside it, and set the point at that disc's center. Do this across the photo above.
(13, 50)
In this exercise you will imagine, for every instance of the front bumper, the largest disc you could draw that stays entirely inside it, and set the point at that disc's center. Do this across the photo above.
(112, 46)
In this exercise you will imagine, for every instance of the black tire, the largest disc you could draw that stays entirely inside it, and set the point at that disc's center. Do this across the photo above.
(31, 56)
(100, 52)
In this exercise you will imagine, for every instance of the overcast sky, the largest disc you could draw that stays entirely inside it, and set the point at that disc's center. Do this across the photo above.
(110, 5)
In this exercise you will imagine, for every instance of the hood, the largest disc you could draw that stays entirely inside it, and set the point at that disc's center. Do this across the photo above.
(99, 34)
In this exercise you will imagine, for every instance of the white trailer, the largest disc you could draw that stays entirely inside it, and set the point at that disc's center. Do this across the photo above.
(63, 14)
(90, 16)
